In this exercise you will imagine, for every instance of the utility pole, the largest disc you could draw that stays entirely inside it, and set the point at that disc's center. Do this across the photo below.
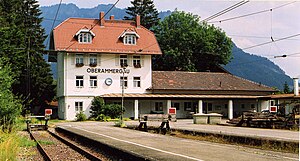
(123, 86)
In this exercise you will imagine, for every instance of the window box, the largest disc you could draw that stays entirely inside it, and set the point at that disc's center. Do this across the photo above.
(138, 65)
(79, 64)
(93, 64)
(124, 65)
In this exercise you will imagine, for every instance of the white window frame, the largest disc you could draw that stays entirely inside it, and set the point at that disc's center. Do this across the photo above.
(136, 61)
(129, 39)
(93, 81)
(93, 59)
(123, 60)
(79, 59)
(85, 38)
(78, 106)
(137, 82)
(79, 83)
(125, 80)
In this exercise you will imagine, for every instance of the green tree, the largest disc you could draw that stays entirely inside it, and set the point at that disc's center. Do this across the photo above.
(10, 106)
(286, 88)
(147, 11)
(190, 45)
(97, 106)
(21, 42)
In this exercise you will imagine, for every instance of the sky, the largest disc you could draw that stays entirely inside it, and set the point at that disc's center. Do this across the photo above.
(280, 19)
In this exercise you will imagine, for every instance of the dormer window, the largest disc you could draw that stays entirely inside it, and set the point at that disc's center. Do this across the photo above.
(85, 36)
(129, 37)
(129, 40)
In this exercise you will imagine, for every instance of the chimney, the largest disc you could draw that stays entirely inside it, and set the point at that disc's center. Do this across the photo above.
(296, 86)
(101, 18)
(138, 21)
(112, 17)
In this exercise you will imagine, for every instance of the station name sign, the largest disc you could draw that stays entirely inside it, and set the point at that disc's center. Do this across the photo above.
(102, 70)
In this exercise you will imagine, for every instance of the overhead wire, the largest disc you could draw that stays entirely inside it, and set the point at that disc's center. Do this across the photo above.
(251, 14)
(55, 17)
(226, 10)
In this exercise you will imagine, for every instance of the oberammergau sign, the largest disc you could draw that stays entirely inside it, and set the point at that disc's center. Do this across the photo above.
(101, 70)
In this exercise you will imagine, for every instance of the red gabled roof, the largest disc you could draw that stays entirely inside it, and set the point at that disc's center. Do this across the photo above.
(107, 37)
(179, 80)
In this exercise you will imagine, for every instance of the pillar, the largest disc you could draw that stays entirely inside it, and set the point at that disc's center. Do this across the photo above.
(169, 104)
(136, 109)
(200, 106)
(230, 109)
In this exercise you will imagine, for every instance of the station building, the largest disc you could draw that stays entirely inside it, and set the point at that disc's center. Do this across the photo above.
(112, 59)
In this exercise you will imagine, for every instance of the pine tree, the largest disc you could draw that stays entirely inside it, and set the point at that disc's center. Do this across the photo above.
(286, 88)
(22, 43)
(147, 11)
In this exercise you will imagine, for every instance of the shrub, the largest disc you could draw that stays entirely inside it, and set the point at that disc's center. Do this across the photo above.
(97, 106)
(112, 110)
(81, 116)
(101, 111)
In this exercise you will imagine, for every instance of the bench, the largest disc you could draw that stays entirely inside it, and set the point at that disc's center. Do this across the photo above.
(163, 118)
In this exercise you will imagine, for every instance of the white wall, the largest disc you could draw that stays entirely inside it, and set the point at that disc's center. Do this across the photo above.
(68, 93)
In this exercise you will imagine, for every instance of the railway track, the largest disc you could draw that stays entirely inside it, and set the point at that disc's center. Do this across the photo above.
(54, 147)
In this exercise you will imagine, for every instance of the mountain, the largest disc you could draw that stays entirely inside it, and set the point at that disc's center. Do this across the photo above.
(256, 68)
(245, 65)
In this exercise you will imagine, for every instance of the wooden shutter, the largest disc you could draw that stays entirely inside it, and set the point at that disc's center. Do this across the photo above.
(72, 58)
(142, 60)
(86, 58)
(117, 59)
(129, 60)
(98, 59)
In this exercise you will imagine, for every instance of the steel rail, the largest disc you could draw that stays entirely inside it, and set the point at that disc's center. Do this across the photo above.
(78, 149)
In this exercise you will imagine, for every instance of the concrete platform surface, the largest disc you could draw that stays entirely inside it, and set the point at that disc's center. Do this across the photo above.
(160, 147)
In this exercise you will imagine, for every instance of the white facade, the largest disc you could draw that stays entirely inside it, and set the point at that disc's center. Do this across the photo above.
(71, 90)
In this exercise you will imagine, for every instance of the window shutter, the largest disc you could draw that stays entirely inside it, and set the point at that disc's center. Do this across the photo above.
(142, 60)
(86, 58)
(98, 59)
(72, 58)
(117, 59)
(129, 60)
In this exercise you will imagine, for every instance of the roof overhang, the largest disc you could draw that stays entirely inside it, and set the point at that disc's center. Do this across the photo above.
(188, 96)
(85, 30)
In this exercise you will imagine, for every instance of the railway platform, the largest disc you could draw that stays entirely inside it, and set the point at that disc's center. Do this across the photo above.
(160, 147)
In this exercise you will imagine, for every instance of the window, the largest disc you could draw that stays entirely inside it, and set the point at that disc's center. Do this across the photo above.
(252, 105)
(78, 106)
(209, 107)
(123, 60)
(176, 105)
(93, 81)
(137, 61)
(129, 39)
(188, 106)
(123, 80)
(79, 60)
(158, 106)
(136, 81)
(85, 37)
(93, 60)
(243, 106)
(79, 81)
